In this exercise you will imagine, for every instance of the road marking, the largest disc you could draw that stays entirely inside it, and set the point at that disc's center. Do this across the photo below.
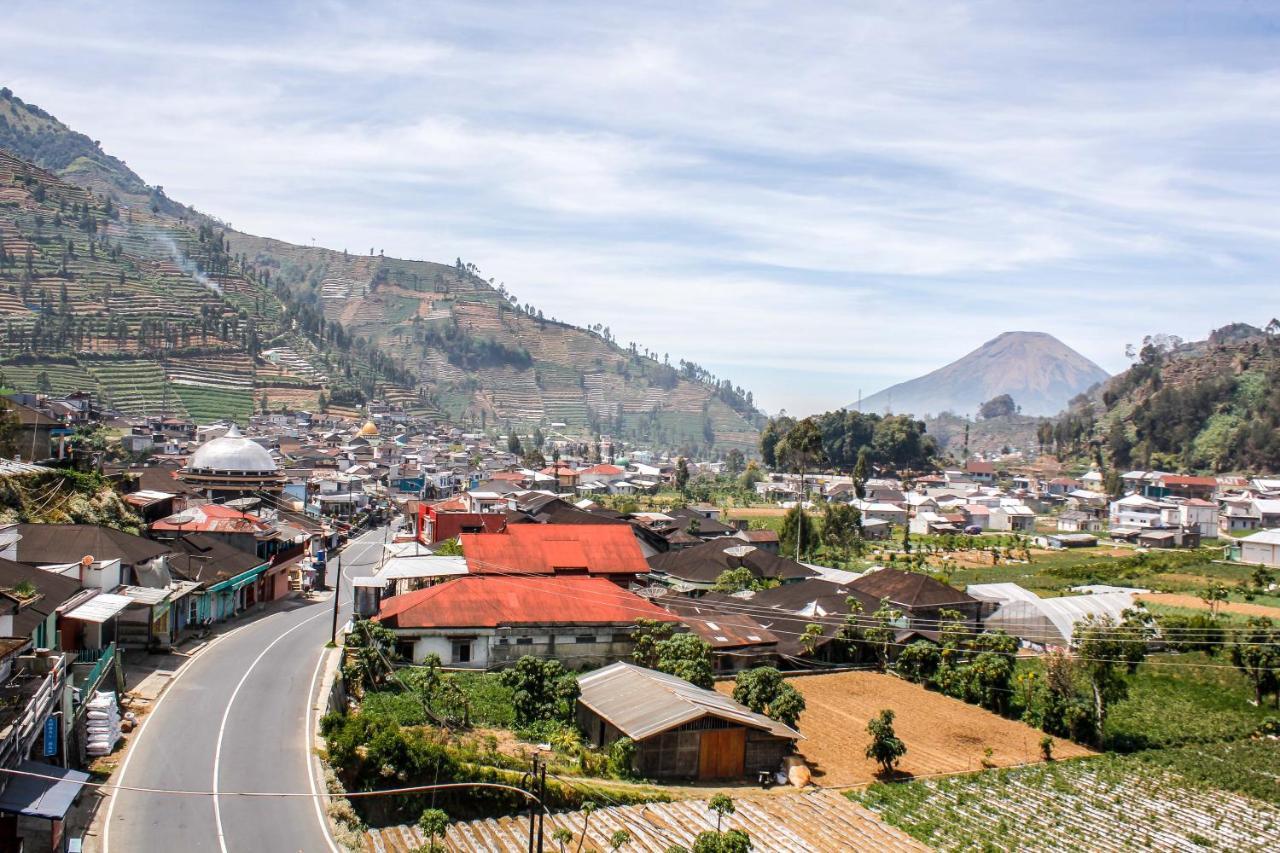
(136, 741)
(226, 714)
(137, 738)
(309, 744)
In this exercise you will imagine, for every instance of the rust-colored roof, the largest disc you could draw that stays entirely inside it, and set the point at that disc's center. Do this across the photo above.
(1184, 480)
(545, 549)
(212, 518)
(487, 601)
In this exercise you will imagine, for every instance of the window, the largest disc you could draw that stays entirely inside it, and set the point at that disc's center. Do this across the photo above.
(524, 641)
(404, 649)
(461, 651)
(585, 638)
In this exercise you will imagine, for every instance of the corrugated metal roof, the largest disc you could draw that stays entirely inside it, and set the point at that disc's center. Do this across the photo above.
(786, 823)
(100, 608)
(642, 702)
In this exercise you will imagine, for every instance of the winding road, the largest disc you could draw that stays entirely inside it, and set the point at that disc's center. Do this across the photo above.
(237, 718)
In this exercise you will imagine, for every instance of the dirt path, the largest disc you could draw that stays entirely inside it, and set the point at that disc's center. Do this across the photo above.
(1191, 602)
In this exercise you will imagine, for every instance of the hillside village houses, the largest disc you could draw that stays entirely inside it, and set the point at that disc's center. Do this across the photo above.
(239, 515)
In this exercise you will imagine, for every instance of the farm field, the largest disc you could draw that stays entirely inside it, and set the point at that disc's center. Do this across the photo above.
(1191, 602)
(1168, 800)
(943, 735)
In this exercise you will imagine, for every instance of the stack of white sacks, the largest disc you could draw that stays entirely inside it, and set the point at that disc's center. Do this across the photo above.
(102, 723)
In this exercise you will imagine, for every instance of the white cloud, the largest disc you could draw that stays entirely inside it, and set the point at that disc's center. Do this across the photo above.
(816, 197)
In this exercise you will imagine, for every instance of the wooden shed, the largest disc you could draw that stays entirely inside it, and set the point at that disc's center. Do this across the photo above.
(681, 731)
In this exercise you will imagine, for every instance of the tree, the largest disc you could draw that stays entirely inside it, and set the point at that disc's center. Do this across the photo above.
(885, 747)
(880, 633)
(1255, 651)
(998, 407)
(841, 527)
(735, 580)
(810, 638)
(764, 691)
(735, 462)
(368, 655)
(798, 535)
(722, 805)
(513, 444)
(541, 690)
(733, 841)
(619, 838)
(860, 473)
(10, 428)
(918, 662)
(434, 823)
(687, 656)
(646, 637)
(1104, 654)
(682, 474)
(1213, 595)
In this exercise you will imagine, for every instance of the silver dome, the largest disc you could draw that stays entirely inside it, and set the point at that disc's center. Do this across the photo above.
(233, 452)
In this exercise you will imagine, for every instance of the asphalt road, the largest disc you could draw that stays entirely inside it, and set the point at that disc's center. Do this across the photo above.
(235, 719)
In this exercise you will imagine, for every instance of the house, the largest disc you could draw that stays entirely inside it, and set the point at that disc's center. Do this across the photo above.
(34, 440)
(1172, 537)
(1183, 486)
(1075, 521)
(436, 523)
(1237, 514)
(696, 568)
(1135, 511)
(1015, 518)
(980, 471)
(486, 621)
(680, 731)
(49, 544)
(1200, 516)
(596, 550)
(920, 598)
(228, 580)
(765, 540)
(1094, 482)
(1267, 511)
(737, 640)
(1059, 486)
(1061, 541)
(1262, 547)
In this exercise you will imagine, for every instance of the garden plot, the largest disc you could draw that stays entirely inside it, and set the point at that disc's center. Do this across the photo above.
(1110, 803)
(943, 735)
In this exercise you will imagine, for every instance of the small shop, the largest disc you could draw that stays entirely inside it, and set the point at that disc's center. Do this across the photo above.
(33, 808)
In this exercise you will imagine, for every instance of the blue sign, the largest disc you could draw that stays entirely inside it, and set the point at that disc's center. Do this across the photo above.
(51, 736)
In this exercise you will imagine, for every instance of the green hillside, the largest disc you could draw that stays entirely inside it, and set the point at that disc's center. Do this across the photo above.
(162, 308)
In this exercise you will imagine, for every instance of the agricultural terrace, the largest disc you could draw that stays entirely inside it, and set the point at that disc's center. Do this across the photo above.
(943, 735)
(1224, 796)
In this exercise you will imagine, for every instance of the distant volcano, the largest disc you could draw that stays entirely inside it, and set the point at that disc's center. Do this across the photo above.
(1039, 371)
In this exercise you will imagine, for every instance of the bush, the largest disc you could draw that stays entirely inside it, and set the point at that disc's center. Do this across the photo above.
(622, 756)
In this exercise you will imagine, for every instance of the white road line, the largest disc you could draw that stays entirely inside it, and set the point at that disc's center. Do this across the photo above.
(226, 714)
(137, 738)
(309, 752)
(136, 743)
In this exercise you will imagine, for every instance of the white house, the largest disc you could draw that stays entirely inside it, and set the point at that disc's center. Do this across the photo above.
(1136, 511)
(1200, 516)
(1262, 547)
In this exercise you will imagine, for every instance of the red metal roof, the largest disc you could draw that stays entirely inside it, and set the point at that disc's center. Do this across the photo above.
(475, 601)
(545, 549)
(212, 518)
(1183, 480)
(604, 469)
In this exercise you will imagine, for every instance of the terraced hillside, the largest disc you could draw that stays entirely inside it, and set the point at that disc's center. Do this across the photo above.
(165, 309)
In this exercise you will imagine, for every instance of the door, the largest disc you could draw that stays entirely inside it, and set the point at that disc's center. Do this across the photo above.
(722, 753)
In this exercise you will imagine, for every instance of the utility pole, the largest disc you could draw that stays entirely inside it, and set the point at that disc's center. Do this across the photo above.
(337, 591)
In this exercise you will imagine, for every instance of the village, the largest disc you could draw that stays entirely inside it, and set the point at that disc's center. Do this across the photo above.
(648, 631)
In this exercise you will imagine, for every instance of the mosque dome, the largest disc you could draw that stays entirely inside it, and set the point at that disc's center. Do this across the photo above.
(234, 453)
(369, 429)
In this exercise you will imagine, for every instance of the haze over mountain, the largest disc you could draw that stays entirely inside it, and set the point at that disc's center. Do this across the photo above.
(1039, 371)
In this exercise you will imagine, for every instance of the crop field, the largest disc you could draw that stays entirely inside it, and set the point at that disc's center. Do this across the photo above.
(943, 735)
(1221, 797)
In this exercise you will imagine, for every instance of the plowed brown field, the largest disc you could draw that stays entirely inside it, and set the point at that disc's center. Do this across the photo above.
(943, 735)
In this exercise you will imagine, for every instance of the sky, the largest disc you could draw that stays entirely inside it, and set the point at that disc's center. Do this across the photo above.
(810, 199)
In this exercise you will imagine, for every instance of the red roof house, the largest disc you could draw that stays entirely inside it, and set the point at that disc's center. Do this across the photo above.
(598, 550)
(480, 621)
